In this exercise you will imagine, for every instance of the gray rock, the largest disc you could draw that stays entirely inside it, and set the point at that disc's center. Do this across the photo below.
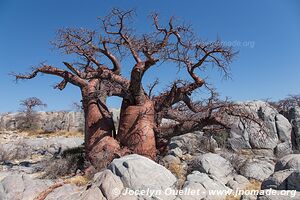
(202, 183)
(238, 182)
(108, 183)
(22, 187)
(248, 197)
(291, 161)
(47, 121)
(214, 164)
(249, 135)
(188, 142)
(283, 149)
(294, 117)
(281, 195)
(293, 181)
(25, 148)
(278, 180)
(284, 128)
(140, 173)
(192, 143)
(177, 152)
(93, 193)
(65, 192)
(250, 132)
(257, 168)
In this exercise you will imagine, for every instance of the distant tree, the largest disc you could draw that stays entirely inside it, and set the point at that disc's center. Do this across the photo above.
(98, 75)
(28, 121)
(284, 105)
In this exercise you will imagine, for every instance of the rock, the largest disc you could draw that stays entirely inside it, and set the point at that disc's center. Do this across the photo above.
(108, 182)
(249, 132)
(257, 168)
(23, 187)
(294, 117)
(140, 173)
(47, 121)
(202, 183)
(284, 128)
(248, 197)
(210, 163)
(283, 149)
(177, 152)
(280, 195)
(293, 181)
(93, 193)
(25, 148)
(192, 143)
(176, 166)
(65, 192)
(269, 153)
(238, 182)
(277, 180)
(291, 161)
(249, 135)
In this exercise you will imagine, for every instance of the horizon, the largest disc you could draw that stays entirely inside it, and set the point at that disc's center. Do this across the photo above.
(265, 34)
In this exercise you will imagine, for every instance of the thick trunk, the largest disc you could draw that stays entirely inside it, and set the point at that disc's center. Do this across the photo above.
(136, 129)
(100, 145)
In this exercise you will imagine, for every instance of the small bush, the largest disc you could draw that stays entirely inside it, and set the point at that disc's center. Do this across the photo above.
(221, 138)
(68, 163)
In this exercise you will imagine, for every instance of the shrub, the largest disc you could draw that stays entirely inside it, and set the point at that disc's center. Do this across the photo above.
(68, 163)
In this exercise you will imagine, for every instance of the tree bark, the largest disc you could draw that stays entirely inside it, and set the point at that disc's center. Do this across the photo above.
(136, 129)
(100, 144)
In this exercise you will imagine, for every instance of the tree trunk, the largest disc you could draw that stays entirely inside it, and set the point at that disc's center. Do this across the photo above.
(100, 145)
(136, 129)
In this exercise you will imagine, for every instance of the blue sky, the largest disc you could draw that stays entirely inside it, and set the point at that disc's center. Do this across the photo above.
(267, 33)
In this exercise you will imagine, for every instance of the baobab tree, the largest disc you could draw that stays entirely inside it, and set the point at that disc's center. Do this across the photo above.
(28, 108)
(98, 75)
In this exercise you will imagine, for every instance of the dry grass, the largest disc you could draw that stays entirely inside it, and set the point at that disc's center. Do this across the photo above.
(253, 185)
(78, 180)
(41, 133)
(177, 170)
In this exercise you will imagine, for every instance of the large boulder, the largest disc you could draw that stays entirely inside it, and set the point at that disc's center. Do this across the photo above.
(215, 165)
(192, 143)
(108, 183)
(291, 161)
(278, 180)
(249, 135)
(257, 168)
(286, 175)
(140, 173)
(294, 117)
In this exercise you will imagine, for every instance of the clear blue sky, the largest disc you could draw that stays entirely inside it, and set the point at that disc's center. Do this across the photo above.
(268, 65)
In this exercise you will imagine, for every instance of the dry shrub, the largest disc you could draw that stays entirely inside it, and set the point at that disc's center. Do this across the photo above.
(68, 163)
(78, 180)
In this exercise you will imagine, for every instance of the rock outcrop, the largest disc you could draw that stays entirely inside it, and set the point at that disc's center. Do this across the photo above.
(46, 121)
(286, 175)
(50, 121)
(294, 117)
(277, 137)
